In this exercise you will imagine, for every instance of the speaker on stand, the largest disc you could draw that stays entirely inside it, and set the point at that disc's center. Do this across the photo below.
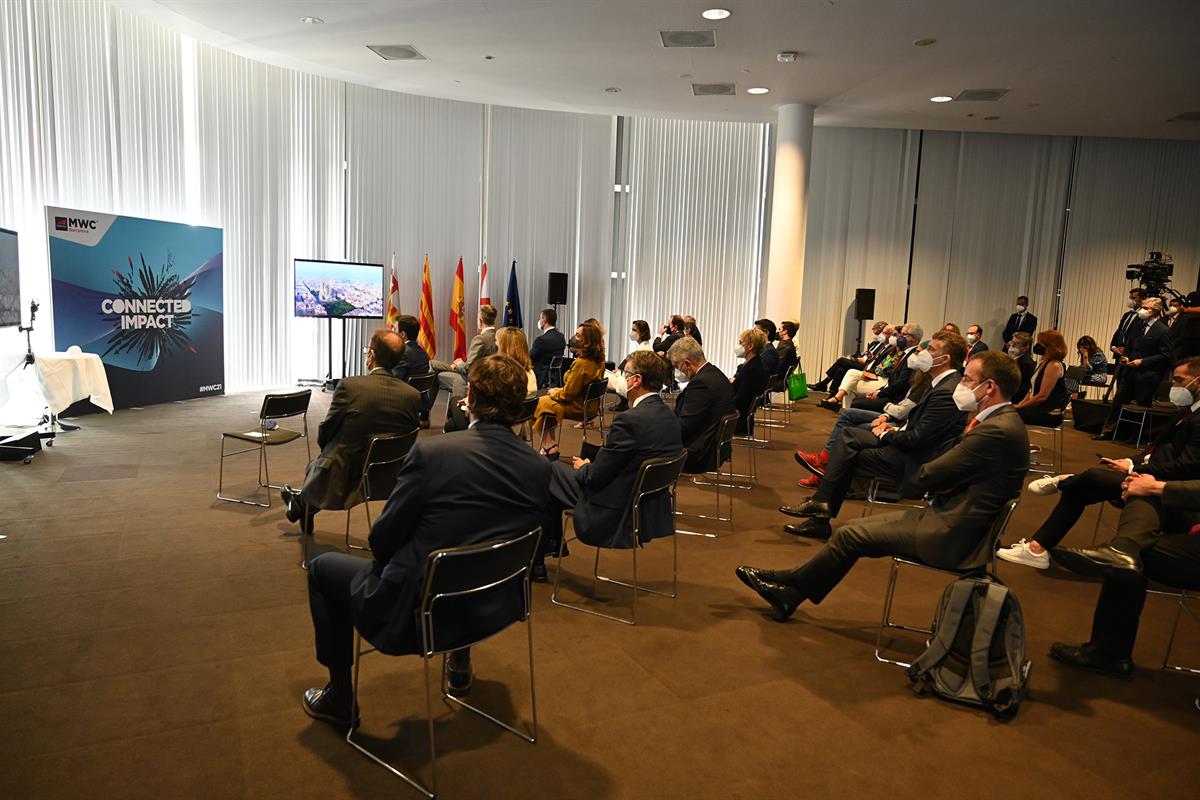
(864, 309)
(556, 293)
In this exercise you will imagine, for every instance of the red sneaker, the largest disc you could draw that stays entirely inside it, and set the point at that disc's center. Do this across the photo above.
(813, 462)
(811, 482)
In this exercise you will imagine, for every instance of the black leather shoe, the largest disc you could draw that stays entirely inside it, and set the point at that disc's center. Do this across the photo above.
(458, 681)
(539, 574)
(807, 508)
(1098, 562)
(782, 599)
(324, 704)
(812, 528)
(1103, 437)
(773, 575)
(1085, 656)
(292, 506)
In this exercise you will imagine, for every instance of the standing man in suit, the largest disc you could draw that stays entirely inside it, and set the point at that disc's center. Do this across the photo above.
(1174, 455)
(670, 333)
(549, 343)
(1020, 321)
(600, 490)
(452, 377)
(886, 451)
(1116, 345)
(706, 398)
(1152, 544)
(1144, 362)
(970, 484)
(363, 406)
(975, 343)
(413, 360)
(466, 487)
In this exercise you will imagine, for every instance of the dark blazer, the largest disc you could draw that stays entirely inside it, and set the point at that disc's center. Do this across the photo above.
(1175, 453)
(1153, 347)
(413, 361)
(1028, 324)
(770, 359)
(663, 343)
(707, 397)
(455, 489)
(749, 382)
(974, 350)
(932, 427)
(899, 382)
(1027, 366)
(787, 356)
(1128, 319)
(362, 406)
(970, 482)
(603, 515)
(545, 347)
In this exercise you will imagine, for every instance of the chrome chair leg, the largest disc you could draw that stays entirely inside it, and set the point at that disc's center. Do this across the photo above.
(221, 477)
(886, 620)
(1167, 665)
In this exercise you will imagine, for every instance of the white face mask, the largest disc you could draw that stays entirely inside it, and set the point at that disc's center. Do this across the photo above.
(623, 386)
(922, 361)
(633, 337)
(1020, 309)
(739, 351)
(965, 398)
(892, 340)
(1132, 304)
(681, 376)
(971, 338)
(879, 337)
(1180, 395)
(1015, 352)
(1143, 313)
(1172, 310)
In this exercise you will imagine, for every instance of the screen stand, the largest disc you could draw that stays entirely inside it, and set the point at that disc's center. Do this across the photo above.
(330, 383)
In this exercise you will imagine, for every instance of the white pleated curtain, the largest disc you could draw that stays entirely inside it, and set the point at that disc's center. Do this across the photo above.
(691, 229)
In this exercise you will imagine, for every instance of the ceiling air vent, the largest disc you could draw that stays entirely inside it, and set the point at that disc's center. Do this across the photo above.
(987, 95)
(709, 89)
(688, 38)
(397, 52)
(1186, 116)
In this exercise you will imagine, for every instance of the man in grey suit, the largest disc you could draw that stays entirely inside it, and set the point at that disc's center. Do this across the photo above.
(970, 484)
(453, 377)
(363, 406)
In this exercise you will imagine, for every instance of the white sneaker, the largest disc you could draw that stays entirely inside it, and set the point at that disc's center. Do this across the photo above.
(1020, 553)
(1046, 485)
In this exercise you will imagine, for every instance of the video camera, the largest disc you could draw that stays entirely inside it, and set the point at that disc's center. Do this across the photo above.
(1153, 275)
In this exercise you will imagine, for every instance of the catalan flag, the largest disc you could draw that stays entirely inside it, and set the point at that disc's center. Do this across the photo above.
(426, 337)
(457, 324)
(393, 306)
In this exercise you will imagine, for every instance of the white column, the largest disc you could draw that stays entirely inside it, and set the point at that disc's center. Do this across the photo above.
(784, 278)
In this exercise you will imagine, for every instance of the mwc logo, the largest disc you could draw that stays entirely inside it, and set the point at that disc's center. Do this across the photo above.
(74, 224)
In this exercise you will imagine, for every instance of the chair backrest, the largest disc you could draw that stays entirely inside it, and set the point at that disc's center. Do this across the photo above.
(594, 393)
(292, 404)
(385, 455)
(476, 569)
(1000, 527)
(527, 409)
(422, 383)
(1075, 373)
(654, 475)
(554, 371)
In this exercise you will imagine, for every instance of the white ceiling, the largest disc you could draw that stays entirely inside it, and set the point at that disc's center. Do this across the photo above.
(1078, 67)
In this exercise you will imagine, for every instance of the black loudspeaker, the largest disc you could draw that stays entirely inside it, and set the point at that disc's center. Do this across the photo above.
(864, 304)
(558, 289)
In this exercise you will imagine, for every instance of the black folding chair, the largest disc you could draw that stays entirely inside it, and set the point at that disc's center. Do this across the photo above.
(554, 374)
(274, 407)
(423, 384)
(385, 456)
(655, 475)
(723, 444)
(593, 405)
(453, 578)
(524, 424)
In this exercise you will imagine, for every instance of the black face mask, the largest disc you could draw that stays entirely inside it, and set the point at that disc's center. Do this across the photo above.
(573, 344)
(1039, 349)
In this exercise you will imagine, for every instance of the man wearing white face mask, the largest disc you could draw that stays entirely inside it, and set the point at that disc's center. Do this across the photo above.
(1145, 362)
(706, 398)
(975, 343)
(1174, 455)
(1020, 321)
(970, 483)
(1117, 345)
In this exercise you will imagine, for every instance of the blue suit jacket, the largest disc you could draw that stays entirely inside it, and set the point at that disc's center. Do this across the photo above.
(545, 347)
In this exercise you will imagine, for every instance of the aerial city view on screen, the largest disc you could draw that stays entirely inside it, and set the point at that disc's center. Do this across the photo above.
(338, 290)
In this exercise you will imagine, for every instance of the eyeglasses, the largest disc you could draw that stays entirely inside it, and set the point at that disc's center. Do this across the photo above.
(366, 350)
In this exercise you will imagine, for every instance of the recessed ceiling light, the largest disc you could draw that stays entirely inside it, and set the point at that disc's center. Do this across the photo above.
(613, 89)
(941, 98)
(757, 90)
(716, 13)
(312, 20)
(924, 42)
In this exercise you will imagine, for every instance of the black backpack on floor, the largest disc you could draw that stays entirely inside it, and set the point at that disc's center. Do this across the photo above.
(976, 654)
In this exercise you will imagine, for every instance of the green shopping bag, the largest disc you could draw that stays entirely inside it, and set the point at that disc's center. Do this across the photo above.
(797, 387)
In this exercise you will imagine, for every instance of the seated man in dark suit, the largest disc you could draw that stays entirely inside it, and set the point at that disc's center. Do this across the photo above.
(1020, 348)
(786, 347)
(1021, 321)
(691, 329)
(897, 388)
(769, 356)
(546, 346)
(971, 483)
(413, 360)
(975, 343)
(881, 332)
(477, 485)
(1152, 544)
(600, 490)
(363, 406)
(670, 333)
(453, 377)
(706, 398)
(887, 452)
(1173, 456)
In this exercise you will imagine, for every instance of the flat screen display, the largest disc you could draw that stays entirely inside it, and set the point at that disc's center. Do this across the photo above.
(10, 280)
(338, 289)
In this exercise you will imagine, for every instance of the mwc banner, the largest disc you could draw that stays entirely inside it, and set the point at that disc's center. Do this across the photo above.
(145, 296)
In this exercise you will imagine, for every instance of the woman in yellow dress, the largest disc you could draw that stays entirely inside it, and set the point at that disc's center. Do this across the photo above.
(567, 402)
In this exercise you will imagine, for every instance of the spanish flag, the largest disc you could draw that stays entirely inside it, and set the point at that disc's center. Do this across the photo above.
(426, 337)
(457, 324)
(393, 306)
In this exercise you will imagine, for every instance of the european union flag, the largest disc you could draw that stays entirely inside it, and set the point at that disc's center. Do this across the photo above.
(512, 301)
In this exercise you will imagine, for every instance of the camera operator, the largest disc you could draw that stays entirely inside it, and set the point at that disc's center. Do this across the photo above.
(1145, 360)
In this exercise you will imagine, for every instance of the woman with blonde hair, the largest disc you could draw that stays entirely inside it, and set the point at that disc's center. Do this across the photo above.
(511, 342)
(567, 402)
(750, 380)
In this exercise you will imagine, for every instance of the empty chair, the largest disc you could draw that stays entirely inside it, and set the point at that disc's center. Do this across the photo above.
(268, 434)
